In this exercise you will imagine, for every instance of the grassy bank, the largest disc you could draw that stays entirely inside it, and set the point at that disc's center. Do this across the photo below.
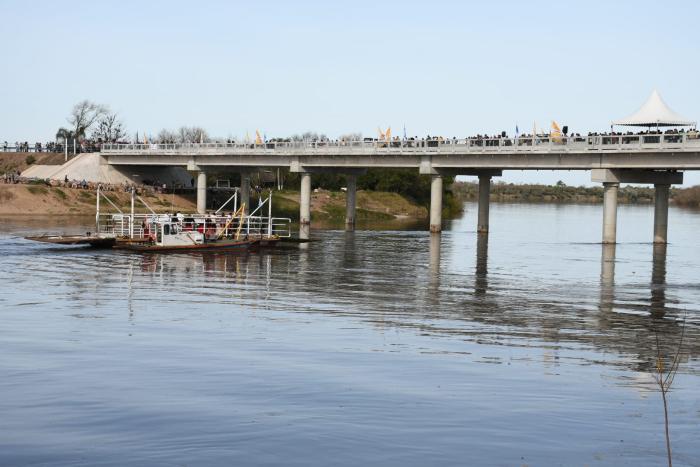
(330, 205)
(325, 205)
(14, 161)
(42, 199)
(560, 193)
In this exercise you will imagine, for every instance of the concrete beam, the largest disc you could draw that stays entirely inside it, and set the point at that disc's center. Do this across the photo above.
(636, 176)
(330, 170)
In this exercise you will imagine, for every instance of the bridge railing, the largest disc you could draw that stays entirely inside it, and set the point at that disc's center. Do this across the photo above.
(545, 143)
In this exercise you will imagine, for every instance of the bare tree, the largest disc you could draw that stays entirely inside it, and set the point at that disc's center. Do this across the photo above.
(109, 128)
(192, 134)
(84, 115)
(351, 137)
(166, 136)
(664, 376)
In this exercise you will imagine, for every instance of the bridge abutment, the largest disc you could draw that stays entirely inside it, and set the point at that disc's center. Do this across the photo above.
(436, 203)
(201, 192)
(350, 201)
(661, 213)
(482, 225)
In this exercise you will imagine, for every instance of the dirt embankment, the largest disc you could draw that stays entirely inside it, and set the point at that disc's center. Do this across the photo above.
(370, 205)
(42, 199)
(14, 161)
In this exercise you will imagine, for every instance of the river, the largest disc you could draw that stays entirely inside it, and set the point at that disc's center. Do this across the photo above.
(535, 347)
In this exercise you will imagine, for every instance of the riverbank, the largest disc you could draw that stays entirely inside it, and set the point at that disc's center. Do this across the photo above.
(330, 206)
(42, 199)
(17, 199)
(561, 193)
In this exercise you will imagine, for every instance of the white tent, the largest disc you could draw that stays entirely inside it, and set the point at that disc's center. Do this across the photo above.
(654, 113)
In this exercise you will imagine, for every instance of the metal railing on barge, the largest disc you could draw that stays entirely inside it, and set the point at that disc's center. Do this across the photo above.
(144, 226)
(212, 226)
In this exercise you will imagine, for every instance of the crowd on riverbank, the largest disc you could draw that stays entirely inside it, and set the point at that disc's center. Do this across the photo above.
(15, 177)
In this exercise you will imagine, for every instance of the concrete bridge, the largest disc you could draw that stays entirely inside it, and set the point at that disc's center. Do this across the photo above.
(658, 159)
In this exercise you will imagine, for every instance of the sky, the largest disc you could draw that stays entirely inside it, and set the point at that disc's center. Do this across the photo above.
(450, 68)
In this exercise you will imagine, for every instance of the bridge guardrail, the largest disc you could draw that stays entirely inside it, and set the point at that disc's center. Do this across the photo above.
(477, 145)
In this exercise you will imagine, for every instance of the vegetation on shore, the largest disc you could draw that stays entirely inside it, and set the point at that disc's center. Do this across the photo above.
(562, 193)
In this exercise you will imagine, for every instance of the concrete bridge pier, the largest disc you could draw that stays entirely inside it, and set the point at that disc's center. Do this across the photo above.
(610, 212)
(661, 213)
(482, 225)
(201, 192)
(305, 205)
(436, 203)
(611, 179)
(350, 201)
(245, 190)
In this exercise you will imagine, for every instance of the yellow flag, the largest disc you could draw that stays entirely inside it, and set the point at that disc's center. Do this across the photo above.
(145, 139)
(258, 139)
(388, 134)
(381, 133)
(555, 134)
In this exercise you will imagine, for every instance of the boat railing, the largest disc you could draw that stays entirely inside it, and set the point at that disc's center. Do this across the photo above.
(212, 226)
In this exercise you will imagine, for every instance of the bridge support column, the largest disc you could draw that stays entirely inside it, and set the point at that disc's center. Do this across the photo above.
(482, 225)
(436, 203)
(201, 192)
(245, 190)
(350, 199)
(305, 205)
(661, 213)
(610, 212)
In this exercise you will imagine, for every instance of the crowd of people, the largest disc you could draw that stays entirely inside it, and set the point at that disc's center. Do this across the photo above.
(51, 146)
(150, 187)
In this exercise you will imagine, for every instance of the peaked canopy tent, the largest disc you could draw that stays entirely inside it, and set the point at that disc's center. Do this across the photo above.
(655, 113)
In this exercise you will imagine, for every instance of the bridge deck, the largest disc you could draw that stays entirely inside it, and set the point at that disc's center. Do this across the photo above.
(671, 152)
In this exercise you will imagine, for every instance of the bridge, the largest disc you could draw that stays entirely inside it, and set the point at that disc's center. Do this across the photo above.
(658, 159)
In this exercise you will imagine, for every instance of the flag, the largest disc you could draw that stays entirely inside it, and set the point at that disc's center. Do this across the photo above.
(555, 133)
(381, 133)
(517, 131)
(388, 134)
(258, 138)
(404, 132)
(145, 139)
(247, 137)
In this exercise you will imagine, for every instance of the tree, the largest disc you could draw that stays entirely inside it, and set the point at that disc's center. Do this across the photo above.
(84, 115)
(166, 137)
(64, 134)
(109, 128)
(192, 134)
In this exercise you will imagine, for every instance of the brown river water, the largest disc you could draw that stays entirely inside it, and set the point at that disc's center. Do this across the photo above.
(536, 346)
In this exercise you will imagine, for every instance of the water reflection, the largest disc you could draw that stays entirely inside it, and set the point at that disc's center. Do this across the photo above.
(607, 278)
(482, 255)
(658, 282)
(434, 264)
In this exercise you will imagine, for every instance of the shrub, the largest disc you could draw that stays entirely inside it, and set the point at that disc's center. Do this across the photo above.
(30, 160)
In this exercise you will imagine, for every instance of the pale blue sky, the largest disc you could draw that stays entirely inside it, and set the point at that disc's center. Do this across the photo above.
(439, 67)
